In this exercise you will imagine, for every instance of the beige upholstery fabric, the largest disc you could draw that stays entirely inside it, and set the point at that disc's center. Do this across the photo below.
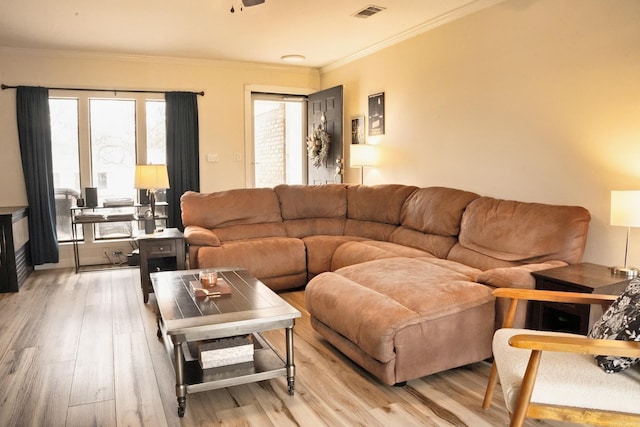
(374, 211)
(514, 277)
(232, 207)
(407, 310)
(320, 251)
(310, 210)
(425, 219)
(377, 203)
(494, 233)
(432, 243)
(414, 267)
(253, 255)
(351, 253)
(436, 210)
(565, 379)
(312, 201)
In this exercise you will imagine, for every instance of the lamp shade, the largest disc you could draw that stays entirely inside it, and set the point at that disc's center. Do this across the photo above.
(363, 155)
(151, 177)
(625, 208)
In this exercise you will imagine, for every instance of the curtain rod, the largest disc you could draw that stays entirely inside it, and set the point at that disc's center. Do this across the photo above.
(4, 87)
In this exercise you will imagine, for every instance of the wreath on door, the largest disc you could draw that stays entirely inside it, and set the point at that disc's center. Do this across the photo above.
(318, 144)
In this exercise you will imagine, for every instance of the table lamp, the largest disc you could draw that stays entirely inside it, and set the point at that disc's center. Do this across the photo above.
(625, 212)
(362, 155)
(152, 178)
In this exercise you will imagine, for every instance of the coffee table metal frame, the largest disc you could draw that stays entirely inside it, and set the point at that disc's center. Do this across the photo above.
(251, 309)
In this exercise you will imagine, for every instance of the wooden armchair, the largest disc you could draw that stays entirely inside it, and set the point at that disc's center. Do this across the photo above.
(568, 385)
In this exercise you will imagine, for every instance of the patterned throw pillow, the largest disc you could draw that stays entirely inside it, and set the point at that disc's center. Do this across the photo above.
(621, 321)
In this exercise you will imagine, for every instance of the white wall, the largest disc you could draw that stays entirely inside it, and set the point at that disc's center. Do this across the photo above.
(221, 110)
(533, 100)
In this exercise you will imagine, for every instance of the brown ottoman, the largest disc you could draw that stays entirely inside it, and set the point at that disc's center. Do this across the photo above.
(403, 318)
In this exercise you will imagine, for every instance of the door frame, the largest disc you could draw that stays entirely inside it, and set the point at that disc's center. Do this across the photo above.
(249, 178)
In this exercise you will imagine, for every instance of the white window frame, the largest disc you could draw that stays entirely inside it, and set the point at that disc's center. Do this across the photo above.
(84, 131)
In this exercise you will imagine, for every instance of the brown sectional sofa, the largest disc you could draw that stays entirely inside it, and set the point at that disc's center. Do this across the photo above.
(397, 276)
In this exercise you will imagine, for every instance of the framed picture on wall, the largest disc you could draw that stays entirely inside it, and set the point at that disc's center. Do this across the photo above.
(376, 114)
(357, 130)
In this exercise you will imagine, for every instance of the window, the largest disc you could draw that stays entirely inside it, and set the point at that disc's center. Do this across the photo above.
(96, 142)
(278, 145)
(66, 161)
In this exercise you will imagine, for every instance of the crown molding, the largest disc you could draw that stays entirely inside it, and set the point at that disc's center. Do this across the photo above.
(150, 59)
(438, 21)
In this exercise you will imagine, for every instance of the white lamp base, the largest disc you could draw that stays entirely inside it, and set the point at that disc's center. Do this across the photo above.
(629, 272)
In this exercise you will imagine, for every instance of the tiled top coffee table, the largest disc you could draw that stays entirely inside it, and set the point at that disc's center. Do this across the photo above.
(250, 308)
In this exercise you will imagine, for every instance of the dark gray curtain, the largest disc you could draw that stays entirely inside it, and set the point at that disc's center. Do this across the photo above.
(34, 132)
(183, 164)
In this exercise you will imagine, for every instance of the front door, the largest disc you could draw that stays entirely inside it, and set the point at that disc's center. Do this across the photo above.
(325, 112)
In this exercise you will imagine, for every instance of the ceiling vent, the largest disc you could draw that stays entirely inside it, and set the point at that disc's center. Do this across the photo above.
(369, 11)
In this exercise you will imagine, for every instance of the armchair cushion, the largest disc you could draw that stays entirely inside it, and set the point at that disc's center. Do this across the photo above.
(621, 321)
(565, 379)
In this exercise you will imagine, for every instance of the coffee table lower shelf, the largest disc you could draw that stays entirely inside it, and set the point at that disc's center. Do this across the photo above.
(267, 364)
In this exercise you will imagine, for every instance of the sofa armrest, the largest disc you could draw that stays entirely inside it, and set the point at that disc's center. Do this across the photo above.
(200, 236)
(515, 277)
(582, 345)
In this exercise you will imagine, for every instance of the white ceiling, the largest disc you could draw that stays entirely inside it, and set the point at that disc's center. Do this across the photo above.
(325, 32)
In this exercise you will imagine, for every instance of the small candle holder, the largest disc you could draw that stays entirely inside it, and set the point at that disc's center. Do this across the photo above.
(208, 278)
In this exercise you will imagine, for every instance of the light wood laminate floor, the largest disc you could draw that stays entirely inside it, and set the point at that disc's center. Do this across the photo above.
(81, 350)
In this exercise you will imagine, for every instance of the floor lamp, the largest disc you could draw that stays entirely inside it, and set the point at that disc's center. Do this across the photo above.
(362, 155)
(151, 178)
(625, 212)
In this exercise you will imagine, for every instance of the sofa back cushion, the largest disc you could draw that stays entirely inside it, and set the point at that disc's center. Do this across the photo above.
(436, 210)
(312, 201)
(230, 208)
(310, 210)
(377, 203)
(496, 233)
(373, 212)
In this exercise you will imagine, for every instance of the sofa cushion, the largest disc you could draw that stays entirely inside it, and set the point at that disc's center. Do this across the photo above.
(377, 203)
(264, 258)
(390, 288)
(250, 231)
(436, 210)
(200, 236)
(310, 210)
(351, 253)
(433, 243)
(320, 250)
(232, 207)
(314, 227)
(312, 201)
(501, 233)
(469, 272)
(567, 379)
(369, 229)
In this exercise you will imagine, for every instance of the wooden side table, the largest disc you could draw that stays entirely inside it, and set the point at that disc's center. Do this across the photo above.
(585, 278)
(160, 251)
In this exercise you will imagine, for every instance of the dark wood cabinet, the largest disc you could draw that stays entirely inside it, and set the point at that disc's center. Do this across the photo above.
(585, 278)
(15, 256)
(160, 251)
